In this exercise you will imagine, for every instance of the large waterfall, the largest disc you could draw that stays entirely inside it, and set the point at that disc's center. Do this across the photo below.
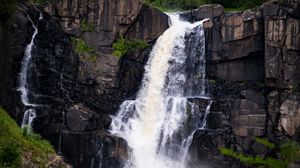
(30, 113)
(159, 124)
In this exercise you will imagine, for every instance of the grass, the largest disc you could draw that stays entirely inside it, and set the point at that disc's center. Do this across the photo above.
(16, 143)
(125, 46)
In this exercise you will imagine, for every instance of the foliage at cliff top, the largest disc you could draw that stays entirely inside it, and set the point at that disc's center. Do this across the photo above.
(7, 9)
(167, 5)
(16, 144)
(124, 46)
(287, 153)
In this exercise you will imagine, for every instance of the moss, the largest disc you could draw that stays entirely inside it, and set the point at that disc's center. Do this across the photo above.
(14, 144)
(124, 46)
(85, 52)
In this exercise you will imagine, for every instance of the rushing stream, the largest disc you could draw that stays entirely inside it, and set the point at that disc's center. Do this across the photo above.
(30, 113)
(159, 124)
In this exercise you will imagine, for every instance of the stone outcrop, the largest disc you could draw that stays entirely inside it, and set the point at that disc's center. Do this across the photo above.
(253, 59)
(282, 44)
(235, 42)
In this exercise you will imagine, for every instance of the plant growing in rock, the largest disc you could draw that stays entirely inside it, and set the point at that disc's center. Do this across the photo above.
(295, 88)
(85, 52)
(124, 46)
(288, 153)
(86, 27)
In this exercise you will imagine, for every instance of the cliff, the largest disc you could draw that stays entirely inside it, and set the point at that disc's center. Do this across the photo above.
(253, 64)
(253, 69)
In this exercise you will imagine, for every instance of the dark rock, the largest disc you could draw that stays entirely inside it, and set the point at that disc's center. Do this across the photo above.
(93, 148)
(203, 12)
(282, 46)
(254, 96)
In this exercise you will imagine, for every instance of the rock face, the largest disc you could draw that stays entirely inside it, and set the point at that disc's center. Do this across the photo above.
(77, 95)
(252, 67)
(14, 36)
(282, 33)
(253, 63)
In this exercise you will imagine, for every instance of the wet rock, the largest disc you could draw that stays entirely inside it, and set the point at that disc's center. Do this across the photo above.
(80, 118)
(93, 148)
(14, 36)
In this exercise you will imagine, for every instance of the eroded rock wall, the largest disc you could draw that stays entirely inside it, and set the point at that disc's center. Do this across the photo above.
(253, 68)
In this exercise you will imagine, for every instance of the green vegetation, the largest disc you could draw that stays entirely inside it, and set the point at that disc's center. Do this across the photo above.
(86, 27)
(212, 81)
(295, 87)
(85, 52)
(7, 9)
(15, 143)
(124, 46)
(288, 153)
(230, 5)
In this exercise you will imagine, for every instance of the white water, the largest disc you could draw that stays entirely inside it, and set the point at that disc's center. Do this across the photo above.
(207, 110)
(159, 125)
(30, 113)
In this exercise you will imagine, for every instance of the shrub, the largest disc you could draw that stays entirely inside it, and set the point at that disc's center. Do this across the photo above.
(289, 153)
(85, 52)
(124, 46)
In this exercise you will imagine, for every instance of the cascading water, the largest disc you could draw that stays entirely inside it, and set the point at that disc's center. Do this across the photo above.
(30, 113)
(159, 124)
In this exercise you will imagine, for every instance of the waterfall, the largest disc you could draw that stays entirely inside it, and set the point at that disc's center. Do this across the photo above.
(159, 124)
(207, 110)
(30, 113)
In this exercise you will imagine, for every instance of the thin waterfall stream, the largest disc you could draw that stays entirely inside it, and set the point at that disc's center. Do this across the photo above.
(30, 113)
(160, 123)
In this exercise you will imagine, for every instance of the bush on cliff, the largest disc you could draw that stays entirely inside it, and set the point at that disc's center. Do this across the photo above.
(16, 144)
(288, 153)
(124, 46)
(83, 50)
